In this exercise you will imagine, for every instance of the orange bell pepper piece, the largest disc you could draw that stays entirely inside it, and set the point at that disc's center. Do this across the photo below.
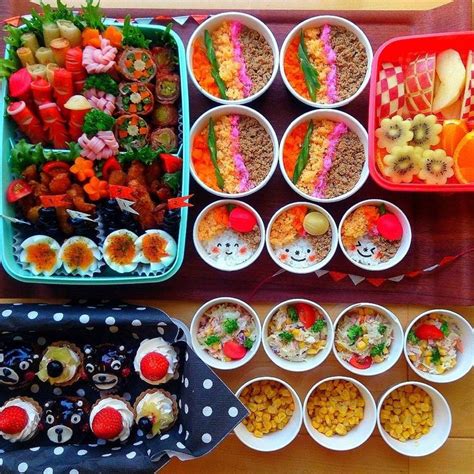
(96, 189)
(82, 168)
(91, 37)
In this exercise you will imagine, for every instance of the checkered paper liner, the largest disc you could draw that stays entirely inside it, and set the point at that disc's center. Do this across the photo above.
(208, 410)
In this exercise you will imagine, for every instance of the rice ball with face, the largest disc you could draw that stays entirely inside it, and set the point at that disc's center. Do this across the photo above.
(156, 248)
(19, 363)
(297, 254)
(66, 419)
(228, 248)
(364, 252)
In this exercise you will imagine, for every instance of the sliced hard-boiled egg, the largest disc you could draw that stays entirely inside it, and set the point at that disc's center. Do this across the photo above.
(40, 254)
(156, 248)
(80, 255)
(120, 251)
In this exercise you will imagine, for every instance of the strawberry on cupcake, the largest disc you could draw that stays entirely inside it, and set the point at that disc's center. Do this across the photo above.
(20, 419)
(111, 419)
(156, 361)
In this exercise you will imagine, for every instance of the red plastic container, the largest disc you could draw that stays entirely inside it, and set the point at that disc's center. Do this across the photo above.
(401, 51)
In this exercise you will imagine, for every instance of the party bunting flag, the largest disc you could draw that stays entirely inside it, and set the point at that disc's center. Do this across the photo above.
(181, 20)
(199, 18)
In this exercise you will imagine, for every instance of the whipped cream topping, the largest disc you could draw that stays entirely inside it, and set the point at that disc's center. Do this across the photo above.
(122, 408)
(160, 346)
(163, 406)
(31, 426)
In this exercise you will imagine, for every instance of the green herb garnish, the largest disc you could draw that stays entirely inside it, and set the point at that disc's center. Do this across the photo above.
(173, 180)
(230, 325)
(24, 154)
(310, 73)
(412, 337)
(102, 82)
(444, 328)
(97, 121)
(133, 36)
(211, 340)
(303, 155)
(60, 12)
(7, 66)
(319, 325)
(435, 356)
(377, 350)
(286, 336)
(34, 25)
(354, 332)
(145, 154)
(211, 143)
(92, 15)
(211, 55)
(382, 209)
(382, 329)
(292, 313)
(248, 343)
(69, 157)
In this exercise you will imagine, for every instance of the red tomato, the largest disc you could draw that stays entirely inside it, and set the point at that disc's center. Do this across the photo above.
(111, 164)
(428, 331)
(18, 189)
(55, 167)
(242, 220)
(233, 350)
(171, 163)
(306, 314)
(360, 362)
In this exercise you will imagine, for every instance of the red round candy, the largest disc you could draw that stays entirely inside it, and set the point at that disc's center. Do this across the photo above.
(389, 227)
(242, 220)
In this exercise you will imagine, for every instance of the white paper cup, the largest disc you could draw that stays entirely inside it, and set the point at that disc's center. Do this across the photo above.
(354, 438)
(203, 120)
(309, 363)
(395, 348)
(202, 252)
(435, 438)
(204, 355)
(278, 439)
(320, 21)
(465, 359)
(336, 116)
(251, 22)
(404, 245)
(316, 266)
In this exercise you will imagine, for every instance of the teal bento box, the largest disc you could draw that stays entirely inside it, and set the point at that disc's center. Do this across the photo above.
(106, 277)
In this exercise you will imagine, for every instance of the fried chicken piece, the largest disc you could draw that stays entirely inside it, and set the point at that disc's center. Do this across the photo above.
(153, 172)
(136, 172)
(33, 213)
(30, 173)
(143, 204)
(159, 213)
(118, 177)
(45, 178)
(63, 218)
(77, 195)
(39, 189)
(60, 183)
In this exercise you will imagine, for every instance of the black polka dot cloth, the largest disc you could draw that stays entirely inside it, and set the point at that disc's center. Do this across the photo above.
(208, 410)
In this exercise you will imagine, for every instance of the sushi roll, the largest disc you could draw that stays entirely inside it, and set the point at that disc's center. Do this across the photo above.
(136, 64)
(120, 251)
(156, 248)
(131, 130)
(134, 98)
(80, 255)
(40, 255)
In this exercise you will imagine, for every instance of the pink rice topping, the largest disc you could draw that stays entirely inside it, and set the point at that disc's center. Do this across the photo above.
(235, 30)
(331, 59)
(239, 164)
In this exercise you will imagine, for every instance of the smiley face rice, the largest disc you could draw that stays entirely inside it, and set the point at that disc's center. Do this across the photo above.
(229, 234)
(300, 237)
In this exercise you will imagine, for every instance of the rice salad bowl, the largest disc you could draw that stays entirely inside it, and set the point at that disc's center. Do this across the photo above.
(229, 235)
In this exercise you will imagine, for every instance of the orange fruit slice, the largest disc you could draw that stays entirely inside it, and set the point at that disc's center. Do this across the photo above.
(452, 133)
(464, 159)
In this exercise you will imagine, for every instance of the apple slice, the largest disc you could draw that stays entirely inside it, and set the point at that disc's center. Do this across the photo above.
(419, 83)
(390, 92)
(467, 111)
(452, 76)
(452, 111)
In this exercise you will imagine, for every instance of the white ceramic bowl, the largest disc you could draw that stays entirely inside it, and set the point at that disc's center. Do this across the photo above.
(336, 116)
(316, 266)
(200, 249)
(395, 348)
(404, 245)
(204, 355)
(465, 359)
(354, 438)
(279, 439)
(251, 22)
(202, 121)
(309, 363)
(438, 433)
(320, 21)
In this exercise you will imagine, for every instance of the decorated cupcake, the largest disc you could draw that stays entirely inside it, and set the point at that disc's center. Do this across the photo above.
(20, 419)
(156, 361)
(61, 364)
(155, 411)
(111, 419)
(18, 364)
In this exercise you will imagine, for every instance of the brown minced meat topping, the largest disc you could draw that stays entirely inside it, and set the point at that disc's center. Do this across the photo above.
(351, 61)
(321, 244)
(252, 238)
(258, 57)
(387, 248)
(256, 148)
(347, 165)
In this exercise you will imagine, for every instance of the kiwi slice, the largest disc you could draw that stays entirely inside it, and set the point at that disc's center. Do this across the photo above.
(425, 131)
(393, 132)
(435, 167)
(402, 164)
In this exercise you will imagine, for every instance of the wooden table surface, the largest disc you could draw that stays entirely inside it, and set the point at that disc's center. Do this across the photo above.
(303, 455)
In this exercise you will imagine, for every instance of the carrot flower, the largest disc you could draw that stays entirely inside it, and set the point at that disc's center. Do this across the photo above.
(96, 189)
(83, 168)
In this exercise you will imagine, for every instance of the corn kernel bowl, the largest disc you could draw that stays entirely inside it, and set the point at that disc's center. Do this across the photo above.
(358, 435)
(277, 439)
(436, 436)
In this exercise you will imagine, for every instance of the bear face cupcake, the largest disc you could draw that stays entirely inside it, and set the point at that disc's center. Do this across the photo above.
(155, 412)
(156, 361)
(111, 419)
(61, 364)
(20, 419)
(18, 364)
(65, 419)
